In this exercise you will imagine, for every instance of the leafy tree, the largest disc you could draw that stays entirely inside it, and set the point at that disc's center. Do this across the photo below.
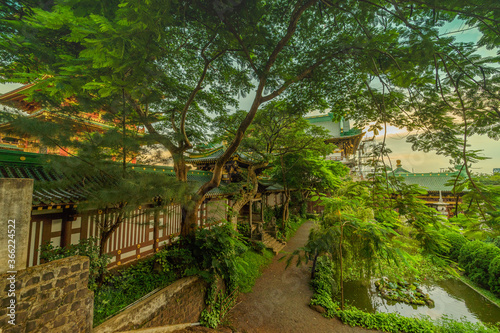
(277, 135)
(308, 173)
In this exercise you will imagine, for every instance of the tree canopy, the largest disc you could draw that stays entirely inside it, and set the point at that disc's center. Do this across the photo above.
(177, 64)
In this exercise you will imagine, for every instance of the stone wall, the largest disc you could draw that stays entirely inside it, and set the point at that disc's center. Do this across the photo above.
(179, 303)
(51, 297)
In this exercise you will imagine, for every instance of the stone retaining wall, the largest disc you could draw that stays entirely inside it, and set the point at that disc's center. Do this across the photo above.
(181, 302)
(51, 297)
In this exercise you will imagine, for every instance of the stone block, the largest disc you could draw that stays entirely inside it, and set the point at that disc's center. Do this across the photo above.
(59, 321)
(31, 325)
(47, 286)
(29, 293)
(33, 280)
(48, 276)
(63, 272)
(75, 267)
(60, 283)
(17, 195)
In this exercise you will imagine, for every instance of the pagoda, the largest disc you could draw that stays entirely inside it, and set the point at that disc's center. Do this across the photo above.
(440, 194)
(345, 139)
(17, 99)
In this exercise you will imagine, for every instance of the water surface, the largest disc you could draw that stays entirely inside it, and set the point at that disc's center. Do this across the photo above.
(452, 298)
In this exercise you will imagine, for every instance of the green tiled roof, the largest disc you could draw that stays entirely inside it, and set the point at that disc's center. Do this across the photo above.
(400, 169)
(210, 156)
(14, 164)
(275, 187)
(431, 181)
(320, 118)
(351, 132)
(213, 155)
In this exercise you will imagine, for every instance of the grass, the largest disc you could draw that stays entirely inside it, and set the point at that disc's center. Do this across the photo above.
(293, 225)
(254, 264)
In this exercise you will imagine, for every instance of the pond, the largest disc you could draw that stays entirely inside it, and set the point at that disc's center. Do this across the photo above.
(452, 298)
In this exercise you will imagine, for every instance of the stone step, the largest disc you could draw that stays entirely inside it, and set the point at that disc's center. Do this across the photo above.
(272, 243)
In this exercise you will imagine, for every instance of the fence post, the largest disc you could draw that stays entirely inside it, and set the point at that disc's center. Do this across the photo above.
(16, 196)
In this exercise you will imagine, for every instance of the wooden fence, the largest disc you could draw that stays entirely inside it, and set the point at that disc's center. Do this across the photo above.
(138, 236)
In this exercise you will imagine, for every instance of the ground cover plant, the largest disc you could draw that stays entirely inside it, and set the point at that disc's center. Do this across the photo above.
(123, 287)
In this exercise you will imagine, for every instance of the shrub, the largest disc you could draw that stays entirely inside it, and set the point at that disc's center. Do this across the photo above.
(243, 229)
(215, 252)
(475, 258)
(456, 241)
(494, 275)
(174, 259)
(126, 285)
(86, 247)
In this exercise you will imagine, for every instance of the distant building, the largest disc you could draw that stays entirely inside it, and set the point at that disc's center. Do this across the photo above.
(439, 186)
(345, 138)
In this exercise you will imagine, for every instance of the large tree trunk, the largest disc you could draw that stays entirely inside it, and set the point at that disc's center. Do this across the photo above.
(190, 219)
(249, 195)
(108, 227)
(180, 168)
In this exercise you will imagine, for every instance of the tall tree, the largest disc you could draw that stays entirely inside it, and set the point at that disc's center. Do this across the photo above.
(277, 132)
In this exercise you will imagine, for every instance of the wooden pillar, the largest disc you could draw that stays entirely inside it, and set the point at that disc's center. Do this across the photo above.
(69, 215)
(156, 230)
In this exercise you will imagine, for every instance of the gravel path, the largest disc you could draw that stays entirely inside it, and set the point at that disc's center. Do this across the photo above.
(279, 300)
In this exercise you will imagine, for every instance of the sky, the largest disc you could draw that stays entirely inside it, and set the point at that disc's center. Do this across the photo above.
(396, 139)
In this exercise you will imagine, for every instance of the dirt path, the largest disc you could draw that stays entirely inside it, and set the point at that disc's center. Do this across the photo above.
(279, 300)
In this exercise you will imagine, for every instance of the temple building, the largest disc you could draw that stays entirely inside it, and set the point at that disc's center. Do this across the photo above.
(345, 138)
(16, 99)
(439, 187)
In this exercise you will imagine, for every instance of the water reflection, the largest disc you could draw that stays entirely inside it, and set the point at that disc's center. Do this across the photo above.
(452, 298)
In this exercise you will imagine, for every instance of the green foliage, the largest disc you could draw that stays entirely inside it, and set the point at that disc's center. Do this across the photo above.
(85, 247)
(475, 258)
(456, 241)
(273, 211)
(244, 229)
(218, 303)
(324, 280)
(255, 263)
(217, 251)
(126, 285)
(174, 259)
(494, 275)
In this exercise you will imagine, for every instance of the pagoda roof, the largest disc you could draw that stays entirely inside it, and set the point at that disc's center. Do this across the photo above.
(399, 168)
(44, 114)
(16, 94)
(431, 181)
(14, 164)
(213, 154)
